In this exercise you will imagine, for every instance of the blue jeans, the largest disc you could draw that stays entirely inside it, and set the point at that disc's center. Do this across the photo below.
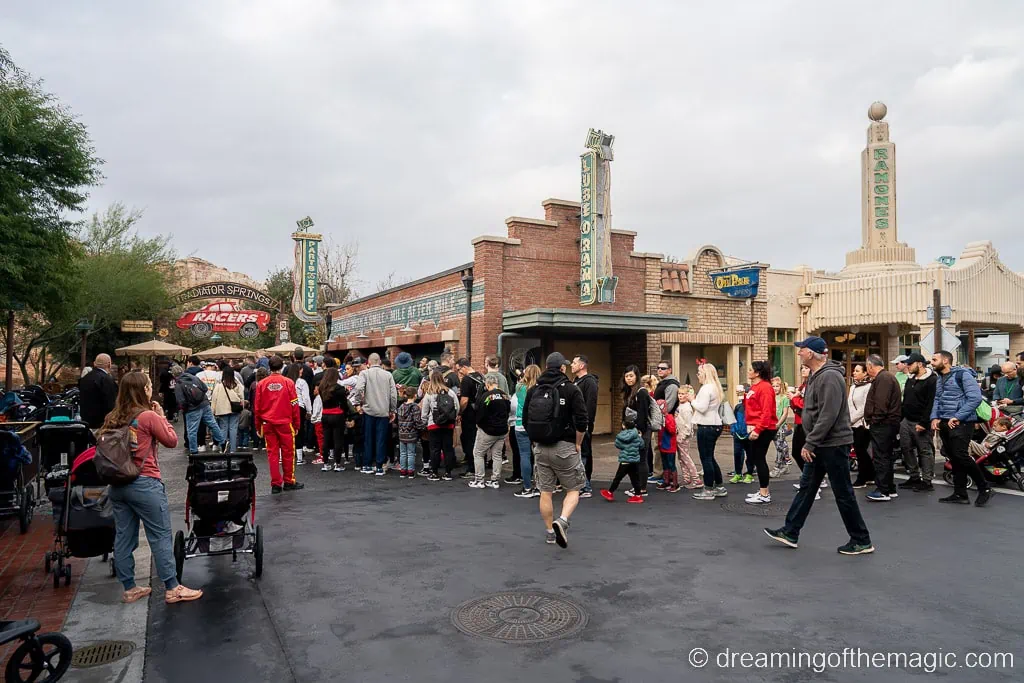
(407, 456)
(375, 439)
(229, 426)
(244, 436)
(668, 462)
(836, 463)
(707, 436)
(525, 458)
(202, 414)
(145, 499)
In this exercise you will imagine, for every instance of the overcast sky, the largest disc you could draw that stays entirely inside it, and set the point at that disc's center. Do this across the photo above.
(412, 127)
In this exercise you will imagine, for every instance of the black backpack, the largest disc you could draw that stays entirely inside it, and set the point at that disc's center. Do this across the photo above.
(193, 392)
(445, 410)
(546, 423)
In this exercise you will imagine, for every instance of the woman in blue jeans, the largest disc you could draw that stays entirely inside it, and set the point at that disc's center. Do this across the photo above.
(145, 498)
(709, 428)
(225, 393)
(530, 375)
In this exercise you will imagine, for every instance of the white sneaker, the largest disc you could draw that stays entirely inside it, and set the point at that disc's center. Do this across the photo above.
(817, 496)
(326, 468)
(758, 499)
(824, 483)
(476, 484)
(201, 449)
(492, 485)
(339, 468)
(299, 460)
(796, 486)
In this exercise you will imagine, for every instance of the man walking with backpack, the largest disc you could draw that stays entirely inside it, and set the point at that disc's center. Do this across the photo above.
(555, 416)
(190, 392)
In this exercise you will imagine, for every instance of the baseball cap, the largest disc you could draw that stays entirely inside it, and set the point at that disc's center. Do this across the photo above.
(556, 360)
(915, 358)
(816, 344)
(900, 359)
(176, 371)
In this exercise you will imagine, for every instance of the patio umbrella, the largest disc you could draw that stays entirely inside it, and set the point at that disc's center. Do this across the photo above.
(283, 349)
(224, 352)
(154, 348)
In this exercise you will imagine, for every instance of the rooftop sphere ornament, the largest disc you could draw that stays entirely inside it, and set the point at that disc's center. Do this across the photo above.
(877, 111)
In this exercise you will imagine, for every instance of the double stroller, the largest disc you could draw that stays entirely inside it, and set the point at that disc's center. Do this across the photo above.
(83, 515)
(220, 510)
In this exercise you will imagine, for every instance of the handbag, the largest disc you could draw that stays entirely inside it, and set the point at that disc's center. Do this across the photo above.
(236, 406)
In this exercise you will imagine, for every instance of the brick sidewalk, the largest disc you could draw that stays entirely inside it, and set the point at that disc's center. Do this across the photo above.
(26, 590)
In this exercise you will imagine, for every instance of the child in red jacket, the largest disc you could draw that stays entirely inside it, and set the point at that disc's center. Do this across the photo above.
(277, 420)
(667, 448)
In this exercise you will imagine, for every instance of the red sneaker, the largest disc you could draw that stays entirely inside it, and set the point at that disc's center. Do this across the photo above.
(635, 499)
(607, 495)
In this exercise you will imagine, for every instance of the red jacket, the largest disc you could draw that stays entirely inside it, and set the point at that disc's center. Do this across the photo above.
(276, 402)
(759, 407)
(797, 404)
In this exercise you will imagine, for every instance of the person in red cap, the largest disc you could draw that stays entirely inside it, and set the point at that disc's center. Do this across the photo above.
(277, 421)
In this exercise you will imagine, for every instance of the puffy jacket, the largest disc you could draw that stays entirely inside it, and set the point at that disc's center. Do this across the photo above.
(958, 395)
(857, 401)
(629, 442)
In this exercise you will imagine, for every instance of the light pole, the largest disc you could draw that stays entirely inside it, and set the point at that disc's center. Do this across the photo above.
(467, 283)
(83, 326)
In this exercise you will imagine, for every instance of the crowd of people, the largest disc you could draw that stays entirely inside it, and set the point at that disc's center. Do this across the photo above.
(376, 416)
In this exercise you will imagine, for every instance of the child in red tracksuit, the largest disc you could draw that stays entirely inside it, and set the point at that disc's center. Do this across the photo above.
(277, 420)
(667, 448)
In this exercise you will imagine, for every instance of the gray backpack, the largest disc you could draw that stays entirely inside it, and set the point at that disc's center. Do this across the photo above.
(655, 418)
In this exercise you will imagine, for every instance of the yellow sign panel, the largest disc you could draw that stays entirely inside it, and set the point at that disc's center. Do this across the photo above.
(136, 325)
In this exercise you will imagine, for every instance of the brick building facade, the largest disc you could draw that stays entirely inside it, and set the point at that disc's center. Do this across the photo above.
(525, 304)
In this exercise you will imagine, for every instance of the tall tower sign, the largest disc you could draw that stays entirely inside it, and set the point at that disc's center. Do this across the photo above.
(306, 274)
(880, 249)
(597, 283)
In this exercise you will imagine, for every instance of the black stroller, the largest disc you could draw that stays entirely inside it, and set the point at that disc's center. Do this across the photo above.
(83, 517)
(43, 658)
(59, 444)
(17, 496)
(222, 497)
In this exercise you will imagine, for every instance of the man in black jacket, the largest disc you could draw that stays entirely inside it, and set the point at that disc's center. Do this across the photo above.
(883, 411)
(588, 385)
(915, 428)
(557, 459)
(97, 393)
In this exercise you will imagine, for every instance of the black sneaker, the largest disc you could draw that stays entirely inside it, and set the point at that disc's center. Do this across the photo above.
(781, 536)
(911, 483)
(852, 548)
(956, 499)
(275, 489)
(983, 498)
(297, 486)
(433, 477)
(860, 484)
(924, 486)
(512, 481)
(447, 476)
(561, 528)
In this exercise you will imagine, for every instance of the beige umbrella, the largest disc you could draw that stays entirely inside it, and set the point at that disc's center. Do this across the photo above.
(286, 349)
(154, 348)
(224, 352)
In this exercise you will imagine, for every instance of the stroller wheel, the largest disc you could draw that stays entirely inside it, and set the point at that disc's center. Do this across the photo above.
(179, 553)
(947, 477)
(1020, 481)
(44, 659)
(257, 552)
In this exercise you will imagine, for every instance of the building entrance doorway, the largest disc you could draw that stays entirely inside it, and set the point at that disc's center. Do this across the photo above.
(849, 348)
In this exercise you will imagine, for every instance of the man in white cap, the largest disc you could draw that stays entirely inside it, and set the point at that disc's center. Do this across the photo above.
(901, 375)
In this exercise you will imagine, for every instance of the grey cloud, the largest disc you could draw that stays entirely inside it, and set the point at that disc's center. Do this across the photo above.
(413, 127)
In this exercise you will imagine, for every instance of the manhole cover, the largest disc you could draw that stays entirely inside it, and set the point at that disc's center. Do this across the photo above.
(99, 654)
(520, 617)
(757, 510)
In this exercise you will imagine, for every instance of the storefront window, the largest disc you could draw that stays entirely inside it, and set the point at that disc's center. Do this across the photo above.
(849, 348)
(910, 343)
(781, 353)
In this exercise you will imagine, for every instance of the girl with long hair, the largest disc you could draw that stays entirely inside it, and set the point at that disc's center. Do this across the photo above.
(145, 498)
(762, 425)
(529, 379)
(782, 413)
(302, 389)
(440, 436)
(336, 408)
(709, 428)
(856, 402)
(636, 397)
(226, 392)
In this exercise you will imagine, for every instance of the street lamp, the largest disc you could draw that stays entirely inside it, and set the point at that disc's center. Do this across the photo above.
(83, 326)
(215, 338)
(467, 284)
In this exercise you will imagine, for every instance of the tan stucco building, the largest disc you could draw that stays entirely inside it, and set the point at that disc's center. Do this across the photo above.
(881, 302)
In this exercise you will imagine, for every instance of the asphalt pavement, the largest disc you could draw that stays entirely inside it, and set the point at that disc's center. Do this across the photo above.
(362, 574)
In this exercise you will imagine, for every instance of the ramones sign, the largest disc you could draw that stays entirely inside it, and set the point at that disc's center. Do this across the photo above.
(225, 290)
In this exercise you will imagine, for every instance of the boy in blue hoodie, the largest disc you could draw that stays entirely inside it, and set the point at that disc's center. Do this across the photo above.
(739, 435)
(630, 443)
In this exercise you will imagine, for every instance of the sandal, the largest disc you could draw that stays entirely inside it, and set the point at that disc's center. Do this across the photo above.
(181, 594)
(135, 594)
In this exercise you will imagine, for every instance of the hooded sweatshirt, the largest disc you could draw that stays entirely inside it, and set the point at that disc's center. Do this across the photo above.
(408, 377)
(826, 415)
(492, 409)
(574, 410)
(919, 397)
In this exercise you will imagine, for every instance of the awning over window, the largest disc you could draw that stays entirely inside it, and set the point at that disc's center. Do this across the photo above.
(607, 322)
